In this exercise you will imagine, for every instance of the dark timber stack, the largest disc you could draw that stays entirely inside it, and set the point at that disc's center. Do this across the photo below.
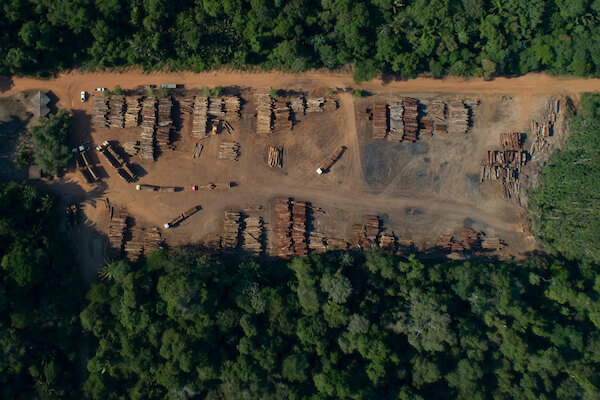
(100, 106)
(411, 113)
(379, 121)
(283, 225)
(275, 157)
(116, 232)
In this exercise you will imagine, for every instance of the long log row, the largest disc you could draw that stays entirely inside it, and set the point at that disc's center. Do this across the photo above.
(231, 234)
(299, 237)
(200, 119)
(283, 225)
(253, 235)
(317, 242)
(116, 233)
(215, 107)
(264, 114)
(511, 141)
(372, 228)
(100, 106)
(426, 127)
(232, 108)
(297, 105)
(498, 173)
(541, 130)
(396, 123)
(229, 151)
(281, 112)
(314, 104)
(152, 240)
(116, 111)
(275, 157)
(164, 123)
(512, 158)
(411, 113)
(132, 113)
(380, 125)
(148, 123)
(186, 104)
(458, 118)
(135, 246)
(436, 110)
(131, 148)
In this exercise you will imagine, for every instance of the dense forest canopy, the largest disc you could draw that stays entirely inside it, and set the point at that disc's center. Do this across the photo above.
(457, 37)
(344, 326)
(39, 299)
(565, 209)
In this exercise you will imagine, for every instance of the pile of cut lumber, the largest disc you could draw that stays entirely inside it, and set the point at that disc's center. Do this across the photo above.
(380, 125)
(387, 241)
(232, 108)
(458, 117)
(275, 157)
(281, 112)
(117, 104)
(543, 129)
(317, 242)
(253, 235)
(229, 151)
(359, 238)
(186, 104)
(152, 240)
(436, 110)
(215, 107)
(491, 243)
(132, 115)
(314, 104)
(299, 238)
(231, 230)
(297, 105)
(116, 232)
(164, 123)
(131, 148)
(372, 228)
(148, 122)
(200, 118)
(511, 158)
(135, 246)
(100, 111)
(396, 123)
(283, 225)
(498, 173)
(404, 242)
(426, 127)
(411, 113)
(264, 114)
(511, 141)
(440, 128)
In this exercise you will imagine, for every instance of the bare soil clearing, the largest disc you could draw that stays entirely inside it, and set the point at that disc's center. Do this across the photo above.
(421, 190)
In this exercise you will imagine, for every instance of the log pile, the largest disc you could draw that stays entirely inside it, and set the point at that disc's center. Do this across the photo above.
(508, 176)
(231, 230)
(152, 240)
(200, 118)
(363, 114)
(134, 247)
(436, 110)
(444, 242)
(372, 228)
(100, 112)
(509, 158)
(281, 112)
(380, 125)
(491, 243)
(131, 148)
(132, 114)
(358, 237)
(440, 128)
(253, 235)
(411, 112)
(387, 241)
(330, 105)
(511, 141)
(197, 150)
(426, 126)
(300, 245)
(458, 117)
(117, 104)
(164, 123)
(545, 128)
(116, 232)
(148, 122)
(339, 244)
(264, 114)
(297, 105)
(283, 225)
(316, 242)
(314, 104)
(232, 108)
(404, 242)
(229, 151)
(471, 239)
(186, 105)
(396, 123)
(215, 107)
(275, 157)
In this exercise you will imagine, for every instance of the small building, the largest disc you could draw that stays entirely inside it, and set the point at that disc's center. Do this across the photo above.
(38, 105)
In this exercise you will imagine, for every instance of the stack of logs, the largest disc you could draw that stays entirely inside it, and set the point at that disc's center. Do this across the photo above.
(437, 111)
(253, 235)
(366, 237)
(264, 109)
(511, 141)
(283, 224)
(152, 240)
(544, 129)
(458, 117)
(281, 113)
(314, 104)
(186, 105)
(134, 247)
(411, 112)
(132, 115)
(317, 242)
(426, 127)
(504, 165)
(148, 122)
(396, 124)
(231, 230)
(164, 123)
(300, 245)
(297, 105)
(215, 107)
(507, 158)
(372, 227)
(116, 232)
(117, 104)
(379, 121)
(229, 151)
(387, 241)
(330, 105)
(200, 118)
(491, 243)
(275, 157)
(132, 148)
(100, 111)
(232, 108)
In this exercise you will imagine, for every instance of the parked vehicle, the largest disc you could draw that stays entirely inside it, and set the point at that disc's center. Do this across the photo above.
(100, 89)
(83, 96)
